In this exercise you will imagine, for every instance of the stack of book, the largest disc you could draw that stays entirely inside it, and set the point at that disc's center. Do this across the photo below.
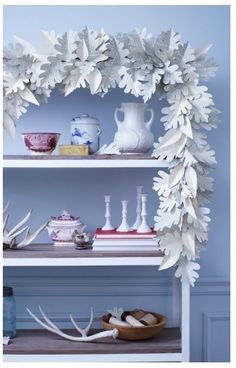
(124, 241)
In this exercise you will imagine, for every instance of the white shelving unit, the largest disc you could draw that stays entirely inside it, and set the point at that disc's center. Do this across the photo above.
(180, 295)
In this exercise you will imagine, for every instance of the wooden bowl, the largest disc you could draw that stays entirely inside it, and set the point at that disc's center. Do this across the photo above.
(137, 333)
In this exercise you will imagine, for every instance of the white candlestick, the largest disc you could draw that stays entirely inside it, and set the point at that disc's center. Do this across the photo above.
(144, 228)
(124, 226)
(108, 225)
(138, 209)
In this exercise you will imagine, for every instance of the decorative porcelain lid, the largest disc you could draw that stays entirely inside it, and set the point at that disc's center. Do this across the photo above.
(64, 218)
(85, 119)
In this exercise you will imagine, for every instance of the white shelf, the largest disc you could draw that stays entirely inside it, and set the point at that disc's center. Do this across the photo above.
(155, 357)
(48, 255)
(135, 161)
(40, 345)
(105, 261)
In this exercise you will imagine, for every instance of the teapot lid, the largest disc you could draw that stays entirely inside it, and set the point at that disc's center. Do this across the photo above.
(85, 119)
(64, 216)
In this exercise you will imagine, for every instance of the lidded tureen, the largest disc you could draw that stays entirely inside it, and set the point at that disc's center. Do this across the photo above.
(62, 228)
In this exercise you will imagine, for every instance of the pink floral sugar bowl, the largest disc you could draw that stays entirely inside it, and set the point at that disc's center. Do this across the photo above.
(62, 228)
(41, 143)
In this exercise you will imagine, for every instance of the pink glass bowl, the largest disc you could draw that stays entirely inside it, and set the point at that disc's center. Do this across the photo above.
(41, 143)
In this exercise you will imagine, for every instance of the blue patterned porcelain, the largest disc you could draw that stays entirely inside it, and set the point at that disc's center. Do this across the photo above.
(86, 130)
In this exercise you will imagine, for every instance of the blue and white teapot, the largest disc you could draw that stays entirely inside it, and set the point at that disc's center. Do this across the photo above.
(86, 130)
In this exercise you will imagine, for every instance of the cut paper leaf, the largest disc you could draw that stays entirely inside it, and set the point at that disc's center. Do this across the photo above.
(205, 183)
(96, 43)
(172, 74)
(187, 271)
(165, 44)
(201, 52)
(168, 203)
(171, 137)
(174, 114)
(14, 83)
(176, 175)
(172, 246)
(27, 95)
(184, 54)
(149, 87)
(108, 149)
(206, 69)
(181, 145)
(94, 79)
(131, 81)
(161, 184)
(187, 158)
(167, 220)
(202, 219)
(49, 40)
(189, 207)
(186, 128)
(213, 119)
(28, 49)
(206, 156)
(191, 180)
(200, 109)
(188, 238)
(114, 67)
(82, 50)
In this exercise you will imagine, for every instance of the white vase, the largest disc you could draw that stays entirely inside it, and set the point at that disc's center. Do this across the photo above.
(134, 134)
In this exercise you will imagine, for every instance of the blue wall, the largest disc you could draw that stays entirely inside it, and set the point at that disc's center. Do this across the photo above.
(199, 25)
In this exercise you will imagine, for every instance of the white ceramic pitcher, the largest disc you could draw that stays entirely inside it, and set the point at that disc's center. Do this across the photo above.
(134, 134)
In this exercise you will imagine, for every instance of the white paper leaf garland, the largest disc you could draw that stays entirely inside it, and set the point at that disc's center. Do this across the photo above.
(142, 65)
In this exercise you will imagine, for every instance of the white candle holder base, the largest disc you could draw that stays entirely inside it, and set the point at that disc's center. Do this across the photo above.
(108, 226)
(138, 220)
(137, 223)
(144, 228)
(124, 226)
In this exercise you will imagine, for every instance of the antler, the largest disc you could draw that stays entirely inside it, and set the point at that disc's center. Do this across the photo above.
(85, 331)
(50, 326)
(30, 237)
(9, 237)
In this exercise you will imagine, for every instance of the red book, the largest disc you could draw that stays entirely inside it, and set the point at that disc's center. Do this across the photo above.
(113, 234)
